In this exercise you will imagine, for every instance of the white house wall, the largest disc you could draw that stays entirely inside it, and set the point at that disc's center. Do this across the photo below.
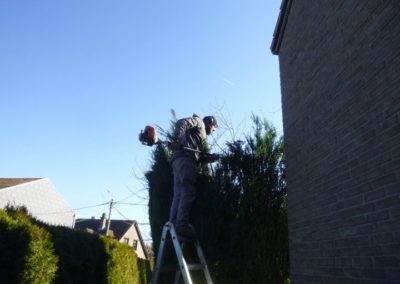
(133, 235)
(42, 200)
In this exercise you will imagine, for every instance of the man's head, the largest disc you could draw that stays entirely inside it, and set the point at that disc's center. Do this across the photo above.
(211, 124)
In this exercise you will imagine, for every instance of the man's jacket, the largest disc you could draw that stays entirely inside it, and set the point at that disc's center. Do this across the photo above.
(191, 133)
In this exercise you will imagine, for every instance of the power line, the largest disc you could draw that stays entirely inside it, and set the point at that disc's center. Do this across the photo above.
(128, 203)
(91, 206)
(133, 194)
(72, 210)
(122, 215)
(129, 196)
(96, 205)
(119, 212)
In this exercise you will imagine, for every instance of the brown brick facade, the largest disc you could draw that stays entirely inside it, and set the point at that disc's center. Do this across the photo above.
(340, 81)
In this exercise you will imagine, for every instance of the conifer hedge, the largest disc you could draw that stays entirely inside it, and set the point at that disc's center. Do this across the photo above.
(160, 182)
(240, 211)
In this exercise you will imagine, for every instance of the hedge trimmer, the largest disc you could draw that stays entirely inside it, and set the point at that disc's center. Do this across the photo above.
(149, 137)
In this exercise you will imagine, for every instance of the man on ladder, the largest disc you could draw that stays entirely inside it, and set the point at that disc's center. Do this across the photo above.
(188, 142)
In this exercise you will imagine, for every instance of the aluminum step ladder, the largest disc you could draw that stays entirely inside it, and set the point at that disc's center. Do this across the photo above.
(184, 268)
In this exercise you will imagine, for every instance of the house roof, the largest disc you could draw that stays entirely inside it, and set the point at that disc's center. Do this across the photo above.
(280, 26)
(119, 228)
(8, 182)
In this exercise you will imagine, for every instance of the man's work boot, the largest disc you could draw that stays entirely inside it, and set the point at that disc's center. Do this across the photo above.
(186, 231)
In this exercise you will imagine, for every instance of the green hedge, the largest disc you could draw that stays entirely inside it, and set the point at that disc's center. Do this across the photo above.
(144, 270)
(33, 252)
(26, 250)
(82, 256)
(122, 264)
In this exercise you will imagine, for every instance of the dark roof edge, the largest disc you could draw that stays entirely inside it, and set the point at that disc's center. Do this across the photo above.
(280, 26)
(10, 182)
(141, 240)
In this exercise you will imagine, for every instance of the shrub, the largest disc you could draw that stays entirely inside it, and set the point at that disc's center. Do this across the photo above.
(92, 258)
(144, 270)
(26, 250)
(122, 266)
(82, 256)
(27, 254)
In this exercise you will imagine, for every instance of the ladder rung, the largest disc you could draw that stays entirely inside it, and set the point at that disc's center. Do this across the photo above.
(192, 266)
(195, 266)
(183, 268)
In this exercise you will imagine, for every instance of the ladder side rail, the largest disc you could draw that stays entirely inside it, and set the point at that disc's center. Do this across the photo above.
(203, 262)
(184, 268)
(178, 271)
(181, 260)
(160, 254)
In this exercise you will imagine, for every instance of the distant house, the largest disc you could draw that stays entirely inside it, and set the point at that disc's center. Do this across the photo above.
(125, 231)
(39, 196)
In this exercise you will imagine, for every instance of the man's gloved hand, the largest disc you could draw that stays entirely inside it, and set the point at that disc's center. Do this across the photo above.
(209, 158)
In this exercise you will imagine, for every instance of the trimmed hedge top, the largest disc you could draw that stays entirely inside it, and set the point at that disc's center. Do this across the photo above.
(33, 252)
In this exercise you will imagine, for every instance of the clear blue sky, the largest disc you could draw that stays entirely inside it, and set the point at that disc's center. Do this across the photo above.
(79, 79)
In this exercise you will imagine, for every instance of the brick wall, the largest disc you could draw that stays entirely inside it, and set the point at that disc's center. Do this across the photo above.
(340, 80)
